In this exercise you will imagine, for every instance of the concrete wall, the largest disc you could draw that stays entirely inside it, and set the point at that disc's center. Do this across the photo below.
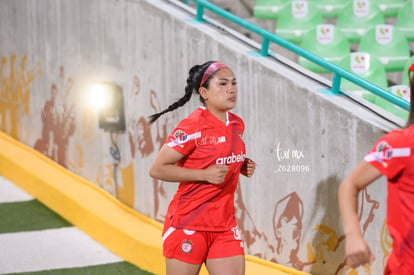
(304, 139)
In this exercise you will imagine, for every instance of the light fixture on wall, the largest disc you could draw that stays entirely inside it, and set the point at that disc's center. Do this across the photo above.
(108, 99)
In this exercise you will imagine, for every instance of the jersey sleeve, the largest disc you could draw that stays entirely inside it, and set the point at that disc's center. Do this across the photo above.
(390, 154)
(183, 138)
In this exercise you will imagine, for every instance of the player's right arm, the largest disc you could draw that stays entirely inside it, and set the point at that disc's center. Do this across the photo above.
(165, 168)
(356, 249)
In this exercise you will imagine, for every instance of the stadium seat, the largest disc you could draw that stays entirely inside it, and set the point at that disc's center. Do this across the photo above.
(402, 91)
(390, 7)
(388, 44)
(326, 41)
(367, 67)
(357, 17)
(330, 8)
(405, 80)
(296, 19)
(405, 22)
(269, 9)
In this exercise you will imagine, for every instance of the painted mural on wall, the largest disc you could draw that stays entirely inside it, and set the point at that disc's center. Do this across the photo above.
(58, 120)
(162, 191)
(331, 244)
(319, 255)
(15, 92)
(128, 178)
(85, 140)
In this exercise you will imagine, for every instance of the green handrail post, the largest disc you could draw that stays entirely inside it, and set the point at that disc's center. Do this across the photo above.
(336, 83)
(267, 36)
(265, 47)
(200, 12)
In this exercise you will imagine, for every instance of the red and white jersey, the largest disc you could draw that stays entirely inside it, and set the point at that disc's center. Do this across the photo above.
(393, 156)
(204, 140)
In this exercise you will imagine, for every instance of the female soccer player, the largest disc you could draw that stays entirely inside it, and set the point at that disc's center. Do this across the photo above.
(393, 157)
(206, 154)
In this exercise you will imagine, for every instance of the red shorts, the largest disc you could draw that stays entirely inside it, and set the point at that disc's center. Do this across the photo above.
(194, 247)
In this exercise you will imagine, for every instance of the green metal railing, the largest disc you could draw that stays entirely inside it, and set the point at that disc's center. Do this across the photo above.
(268, 37)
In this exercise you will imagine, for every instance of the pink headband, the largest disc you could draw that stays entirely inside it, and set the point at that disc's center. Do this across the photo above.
(214, 67)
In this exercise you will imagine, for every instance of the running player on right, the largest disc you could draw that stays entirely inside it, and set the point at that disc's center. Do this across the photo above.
(393, 157)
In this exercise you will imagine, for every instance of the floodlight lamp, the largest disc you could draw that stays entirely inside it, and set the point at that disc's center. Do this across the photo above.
(108, 99)
(99, 96)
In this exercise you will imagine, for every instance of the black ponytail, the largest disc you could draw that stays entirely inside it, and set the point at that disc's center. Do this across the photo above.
(193, 84)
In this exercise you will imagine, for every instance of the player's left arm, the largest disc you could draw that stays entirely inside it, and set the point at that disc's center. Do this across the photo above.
(248, 168)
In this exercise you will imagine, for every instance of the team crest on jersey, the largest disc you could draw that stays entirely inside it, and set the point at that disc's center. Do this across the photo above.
(186, 246)
(384, 150)
(180, 136)
(236, 232)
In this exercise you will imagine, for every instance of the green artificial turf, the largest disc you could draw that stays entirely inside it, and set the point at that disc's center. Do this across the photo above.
(123, 268)
(28, 216)
(32, 215)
